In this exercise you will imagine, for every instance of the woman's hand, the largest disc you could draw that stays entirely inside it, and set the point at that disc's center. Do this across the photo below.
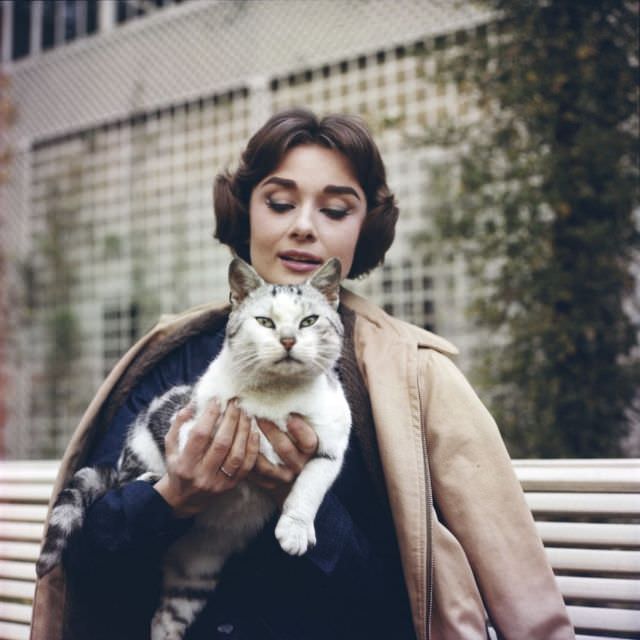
(295, 449)
(209, 464)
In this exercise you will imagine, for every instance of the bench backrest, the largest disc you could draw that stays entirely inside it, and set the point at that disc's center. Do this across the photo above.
(587, 513)
(25, 488)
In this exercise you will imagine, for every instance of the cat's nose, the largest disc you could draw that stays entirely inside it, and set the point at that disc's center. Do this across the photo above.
(287, 343)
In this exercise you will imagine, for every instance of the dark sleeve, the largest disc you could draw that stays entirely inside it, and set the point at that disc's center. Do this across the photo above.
(128, 527)
(133, 525)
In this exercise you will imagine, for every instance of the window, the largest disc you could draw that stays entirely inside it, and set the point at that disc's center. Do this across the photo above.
(21, 30)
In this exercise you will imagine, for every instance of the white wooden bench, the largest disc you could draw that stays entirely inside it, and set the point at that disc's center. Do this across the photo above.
(25, 488)
(588, 516)
(587, 513)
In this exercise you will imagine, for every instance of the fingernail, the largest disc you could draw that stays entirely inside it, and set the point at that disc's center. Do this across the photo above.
(236, 403)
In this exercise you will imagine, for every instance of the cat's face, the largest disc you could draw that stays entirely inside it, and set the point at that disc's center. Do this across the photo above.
(284, 331)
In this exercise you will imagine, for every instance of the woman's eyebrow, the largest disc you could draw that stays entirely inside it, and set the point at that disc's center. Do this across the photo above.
(340, 190)
(283, 182)
(330, 188)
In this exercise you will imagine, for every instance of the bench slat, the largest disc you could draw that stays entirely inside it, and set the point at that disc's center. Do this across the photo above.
(30, 471)
(17, 589)
(19, 550)
(12, 631)
(582, 636)
(20, 570)
(604, 589)
(626, 504)
(594, 560)
(21, 531)
(601, 619)
(584, 479)
(585, 533)
(575, 463)
(14, 612)
(23, 512)
(31, 492)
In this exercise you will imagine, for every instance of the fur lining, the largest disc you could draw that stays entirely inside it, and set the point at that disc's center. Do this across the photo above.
(149, 357)
(358, 398)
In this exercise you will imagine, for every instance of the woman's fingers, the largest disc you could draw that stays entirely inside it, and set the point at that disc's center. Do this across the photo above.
(201, 434)
(294, 448)
(269, 475)
(171, 437)
(303, 436)
(283, 445)
(221, 441)
(252, 450)
(223, 448)
(228, 449)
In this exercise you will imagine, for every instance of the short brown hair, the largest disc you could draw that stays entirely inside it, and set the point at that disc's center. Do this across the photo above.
(264, 152)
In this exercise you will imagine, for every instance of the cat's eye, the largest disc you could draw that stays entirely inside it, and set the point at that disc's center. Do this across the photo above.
(265, 322)
(308, 321)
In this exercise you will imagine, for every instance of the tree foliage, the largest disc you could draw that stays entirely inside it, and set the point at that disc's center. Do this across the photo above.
(544, 213)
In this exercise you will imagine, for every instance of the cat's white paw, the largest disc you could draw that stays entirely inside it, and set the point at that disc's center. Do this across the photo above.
(295, 535)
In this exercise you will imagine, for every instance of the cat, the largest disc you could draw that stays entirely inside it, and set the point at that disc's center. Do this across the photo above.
(281, 346)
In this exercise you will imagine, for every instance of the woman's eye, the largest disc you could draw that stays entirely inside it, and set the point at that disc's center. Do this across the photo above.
(278, 207)
(308, 321)
(335, 214)
(265, 322)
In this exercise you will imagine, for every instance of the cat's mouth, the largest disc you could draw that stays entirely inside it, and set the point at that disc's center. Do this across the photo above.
(287, 359)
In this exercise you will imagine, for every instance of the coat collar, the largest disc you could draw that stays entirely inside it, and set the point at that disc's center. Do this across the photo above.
(403, 331)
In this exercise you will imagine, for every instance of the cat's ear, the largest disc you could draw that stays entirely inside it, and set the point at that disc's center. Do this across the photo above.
(327, 280)
(243, 279)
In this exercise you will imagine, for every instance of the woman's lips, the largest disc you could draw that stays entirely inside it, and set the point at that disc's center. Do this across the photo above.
(299, 263)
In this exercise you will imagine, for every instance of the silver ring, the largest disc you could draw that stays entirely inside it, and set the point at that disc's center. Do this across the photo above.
(225, 472)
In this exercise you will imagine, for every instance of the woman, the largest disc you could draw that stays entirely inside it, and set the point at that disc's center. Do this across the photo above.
(426, 525)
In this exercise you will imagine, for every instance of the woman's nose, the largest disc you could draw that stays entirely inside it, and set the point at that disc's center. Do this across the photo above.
(302, 226)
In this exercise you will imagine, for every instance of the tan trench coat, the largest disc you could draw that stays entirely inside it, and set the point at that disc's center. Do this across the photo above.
(438, 445)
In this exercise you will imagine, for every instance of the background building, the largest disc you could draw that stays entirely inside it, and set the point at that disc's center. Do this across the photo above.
(121, 125)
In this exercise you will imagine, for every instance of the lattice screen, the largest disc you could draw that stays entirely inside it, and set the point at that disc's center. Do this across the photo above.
(114, 197)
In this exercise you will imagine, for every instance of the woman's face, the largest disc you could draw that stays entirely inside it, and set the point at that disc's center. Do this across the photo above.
(309, 209)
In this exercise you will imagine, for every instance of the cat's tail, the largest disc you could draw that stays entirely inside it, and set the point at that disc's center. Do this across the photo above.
(68, 512)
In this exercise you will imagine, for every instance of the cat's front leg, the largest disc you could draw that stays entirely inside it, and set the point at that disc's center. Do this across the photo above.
(295, 530)
(295, 535)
